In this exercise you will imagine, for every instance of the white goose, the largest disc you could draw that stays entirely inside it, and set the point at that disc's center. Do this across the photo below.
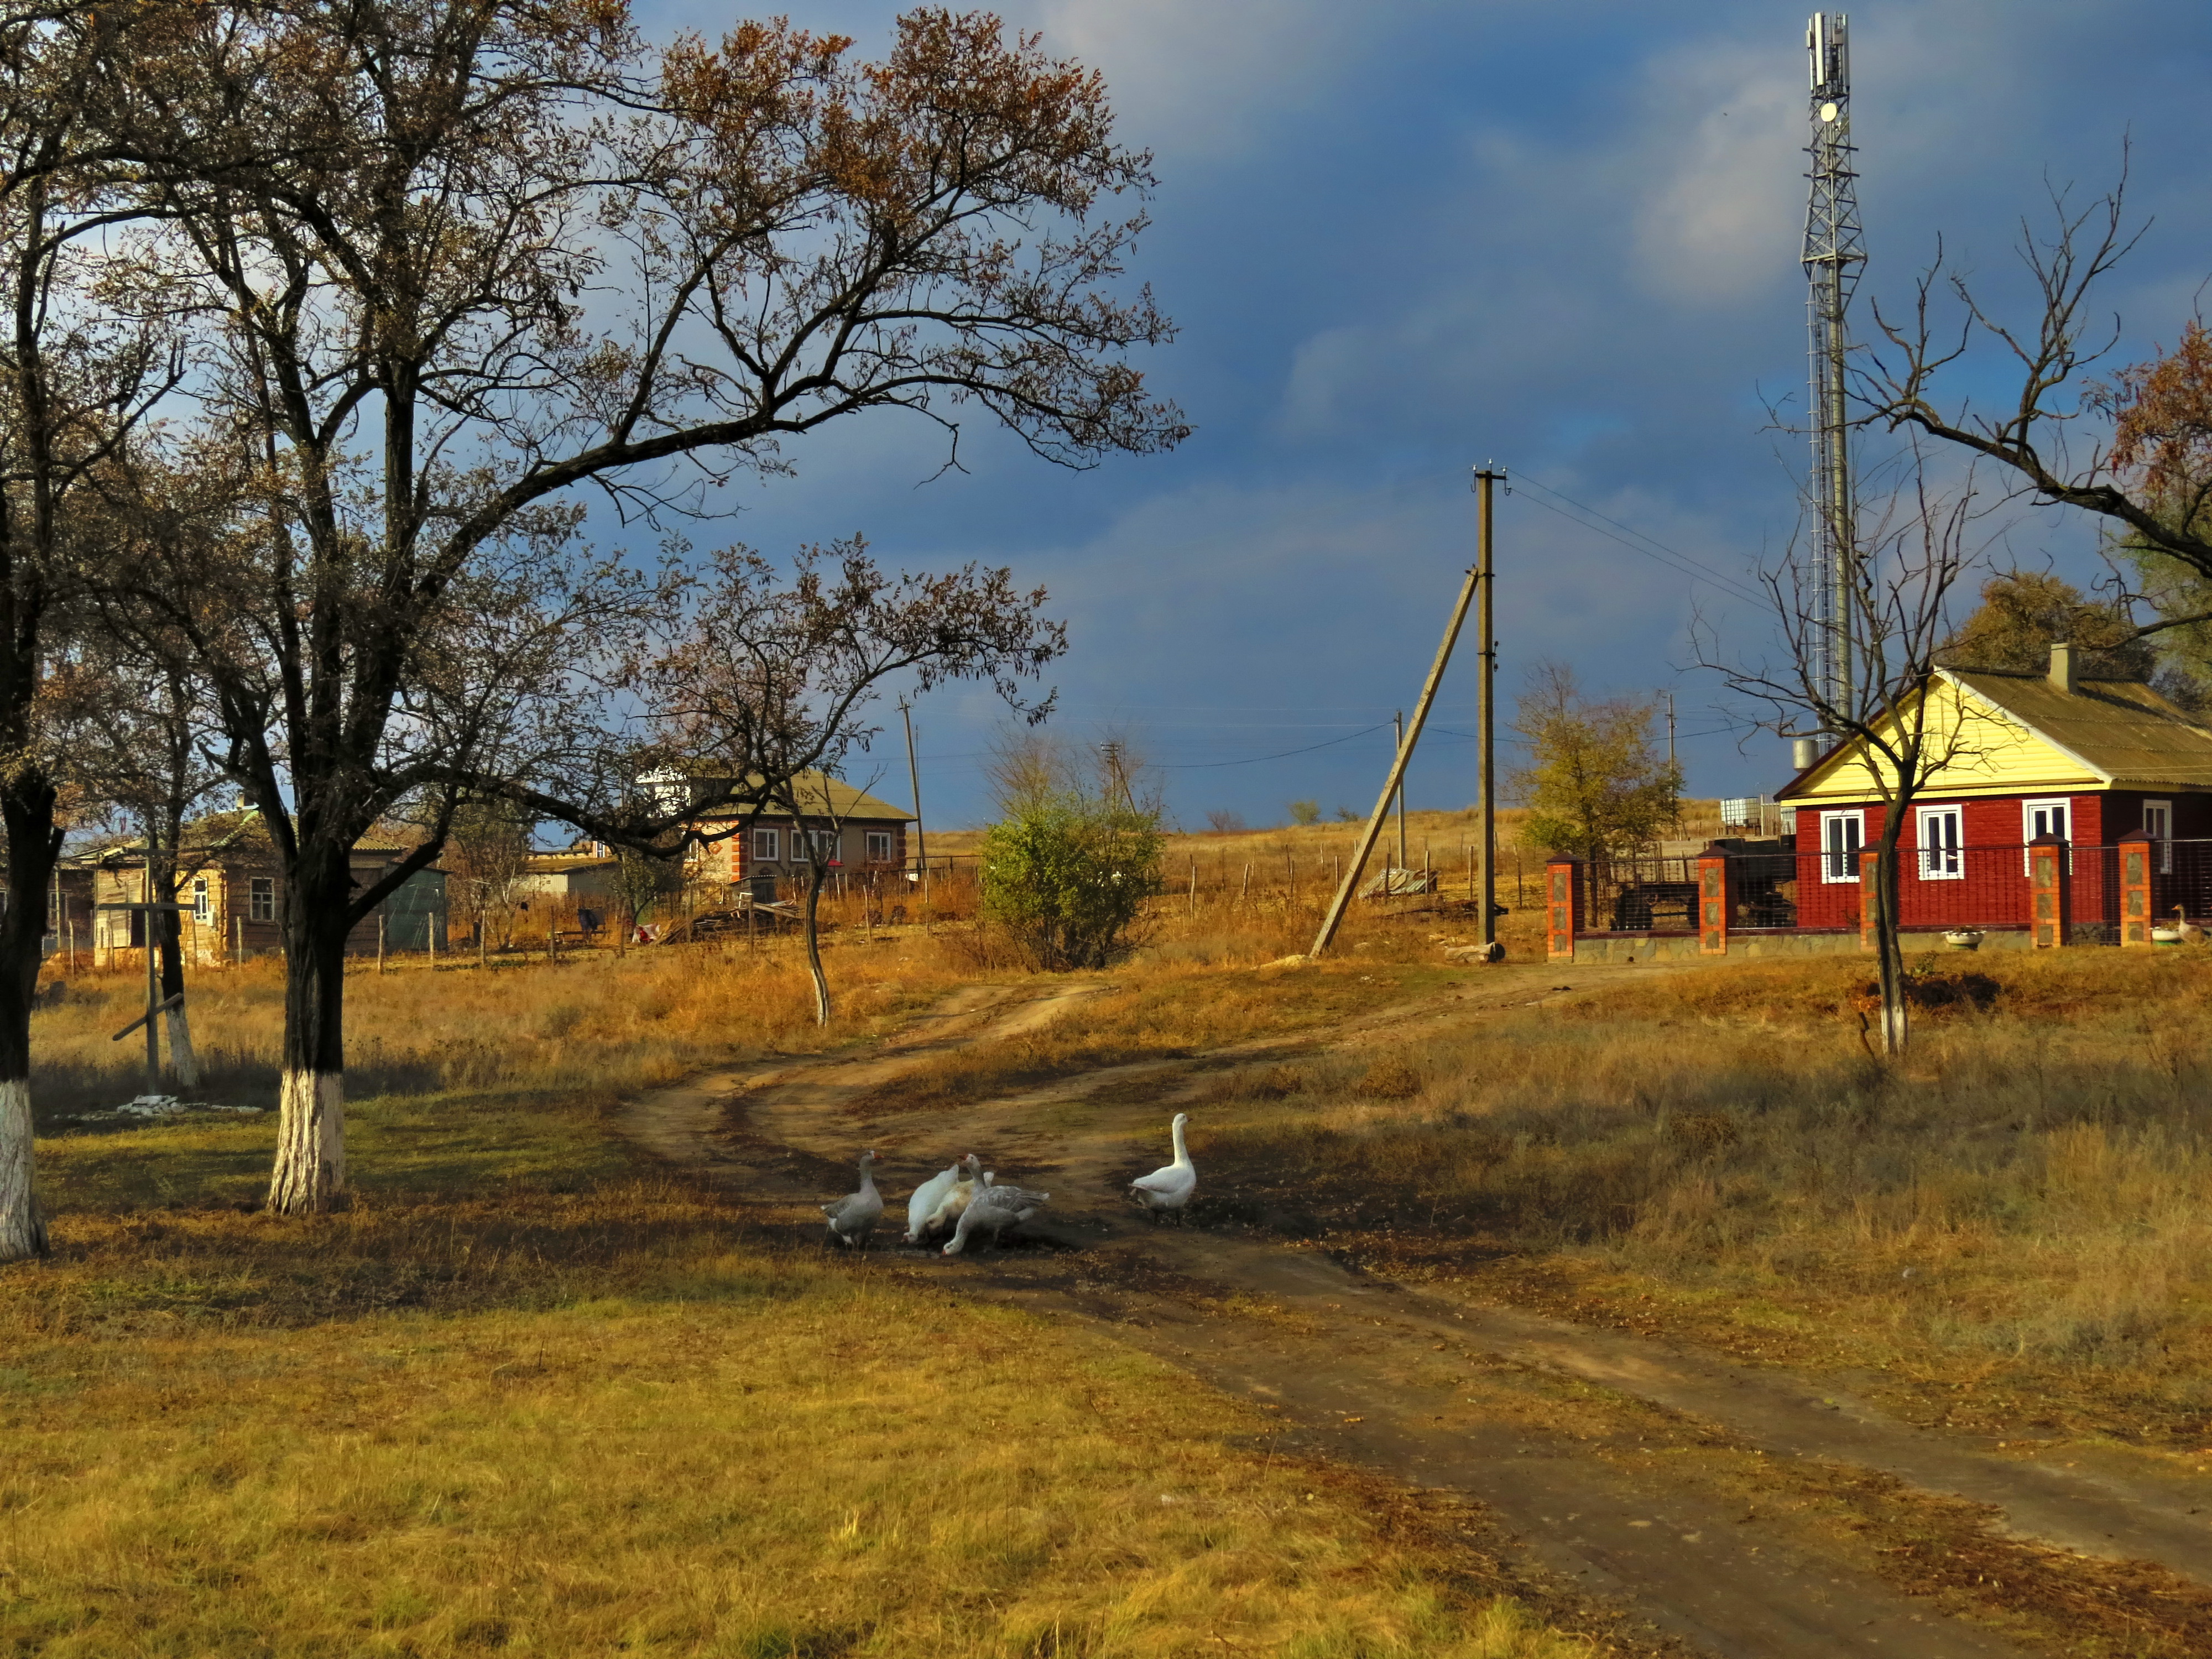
(922, 1207)
(994, 1209)
(1170, 1187)
(956, 1198)
(853, 1217)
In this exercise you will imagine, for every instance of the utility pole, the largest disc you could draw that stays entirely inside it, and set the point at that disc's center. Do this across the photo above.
(1835, 251)
(1486, 628)
(914, 777)
(1674, 770)
(1398, 739)
(1395, 782)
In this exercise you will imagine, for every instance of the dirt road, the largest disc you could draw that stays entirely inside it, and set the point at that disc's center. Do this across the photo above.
(1743, 1511)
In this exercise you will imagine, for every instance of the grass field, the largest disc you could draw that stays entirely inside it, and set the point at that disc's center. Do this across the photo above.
(528, 1395)
(2013, 1230)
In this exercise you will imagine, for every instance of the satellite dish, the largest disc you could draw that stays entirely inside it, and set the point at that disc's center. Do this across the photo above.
(1828, 111)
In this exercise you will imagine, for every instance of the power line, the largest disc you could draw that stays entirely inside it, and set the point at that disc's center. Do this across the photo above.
(1656, 549)
(1204, 766)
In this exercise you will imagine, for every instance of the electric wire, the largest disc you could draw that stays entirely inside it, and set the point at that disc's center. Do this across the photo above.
(1658, 550)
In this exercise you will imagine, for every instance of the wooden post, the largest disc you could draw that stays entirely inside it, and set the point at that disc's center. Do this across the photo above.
(1193, 885)
(1713, 900)
(1870, 876)
(379, 940)
(1245, 891)
(1564, 878)
(2049, 891)
(238, 935)
(2136, 890)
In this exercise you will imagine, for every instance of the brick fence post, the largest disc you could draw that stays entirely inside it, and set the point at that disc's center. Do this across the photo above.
(1713, 902)
(2049, 891)
(1564, 896)
(1869, 883)
(2135, 889)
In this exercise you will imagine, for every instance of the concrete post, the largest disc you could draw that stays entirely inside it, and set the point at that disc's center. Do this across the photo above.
(2049, 892)
(1564, 887)
(1714, 901)
(2135, 889)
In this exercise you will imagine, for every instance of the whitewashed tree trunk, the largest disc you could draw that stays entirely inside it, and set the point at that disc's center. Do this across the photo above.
(22, 1229)
(182, 1061)
(310, 1172)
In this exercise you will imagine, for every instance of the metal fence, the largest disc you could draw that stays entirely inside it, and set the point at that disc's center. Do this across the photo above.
(1938, 889)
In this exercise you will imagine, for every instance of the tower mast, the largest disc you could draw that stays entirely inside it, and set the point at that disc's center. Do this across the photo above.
(1835, 249)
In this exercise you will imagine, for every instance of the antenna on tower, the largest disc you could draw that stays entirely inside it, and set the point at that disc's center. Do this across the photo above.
(1835, 248)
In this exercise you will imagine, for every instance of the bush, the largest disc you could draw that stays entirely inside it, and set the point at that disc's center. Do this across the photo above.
(1305, 812)
(1068, 876)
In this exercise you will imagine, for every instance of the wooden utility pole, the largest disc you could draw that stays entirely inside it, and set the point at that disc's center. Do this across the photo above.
(1486, 628)
(1397, 778)
(1398, 727)
(913, 777)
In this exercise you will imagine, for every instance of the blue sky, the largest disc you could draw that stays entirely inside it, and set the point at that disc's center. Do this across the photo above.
(1404, 238)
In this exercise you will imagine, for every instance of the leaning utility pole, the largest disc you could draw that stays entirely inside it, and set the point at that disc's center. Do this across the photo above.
(1486, 630)
(1398, 739)
(1835, 250)
(1397, 778)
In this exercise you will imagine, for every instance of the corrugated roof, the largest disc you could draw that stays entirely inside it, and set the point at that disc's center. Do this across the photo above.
(2121, 729)
(845, 801)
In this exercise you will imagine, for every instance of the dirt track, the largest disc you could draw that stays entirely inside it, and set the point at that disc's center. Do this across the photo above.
(1618, 1461)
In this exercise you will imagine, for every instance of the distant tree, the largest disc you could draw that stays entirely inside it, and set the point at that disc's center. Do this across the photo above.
(1347, 815)
(1224, 822)
(1596, 784)
(487, 847)
(1304, 813)
(2024, 613)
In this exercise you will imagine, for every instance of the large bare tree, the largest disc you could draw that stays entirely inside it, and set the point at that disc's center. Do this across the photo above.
(74, 382)
(445, 264)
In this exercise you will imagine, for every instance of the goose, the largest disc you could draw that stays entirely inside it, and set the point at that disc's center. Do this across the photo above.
(853, 1216)
(921, 1208)
(956, 1197)
(994, 1209)
(1170, 1187)
(2190, 932)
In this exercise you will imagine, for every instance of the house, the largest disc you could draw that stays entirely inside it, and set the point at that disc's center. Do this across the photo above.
(2089, 760)
(584, 874)
(233, 897)
(856, 835)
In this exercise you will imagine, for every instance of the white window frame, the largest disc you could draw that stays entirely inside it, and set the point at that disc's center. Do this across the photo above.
(1943, 859)
(768, 846)
(2028, 808)
(880, 845)
(201, 900)
(261, 898)
(1829, 875)
(2158, 825)
(826, 848)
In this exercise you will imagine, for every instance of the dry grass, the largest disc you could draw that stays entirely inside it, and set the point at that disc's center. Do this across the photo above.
(526, 1396)
(2015, 1225)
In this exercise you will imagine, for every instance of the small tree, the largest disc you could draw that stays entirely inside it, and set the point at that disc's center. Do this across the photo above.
(1305, 813)
(1595, 784)
(487, 846)
(1067, 872)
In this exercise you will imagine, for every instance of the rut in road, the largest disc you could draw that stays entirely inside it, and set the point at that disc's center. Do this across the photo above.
(1628, 1512)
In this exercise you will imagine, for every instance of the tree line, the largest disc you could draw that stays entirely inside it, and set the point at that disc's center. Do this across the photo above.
(325, 323)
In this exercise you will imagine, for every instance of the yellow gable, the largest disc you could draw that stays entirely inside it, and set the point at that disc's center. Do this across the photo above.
(1982, 750)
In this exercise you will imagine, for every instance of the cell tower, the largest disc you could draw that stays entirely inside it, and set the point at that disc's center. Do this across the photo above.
(1835, 248)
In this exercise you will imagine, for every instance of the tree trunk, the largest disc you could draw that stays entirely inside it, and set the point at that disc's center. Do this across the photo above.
(814, 945)
(182, 1061)
(310, 1172)
(33, 844)
(1889, 949)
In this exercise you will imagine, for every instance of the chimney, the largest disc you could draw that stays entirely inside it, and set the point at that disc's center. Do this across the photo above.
(2061, 665)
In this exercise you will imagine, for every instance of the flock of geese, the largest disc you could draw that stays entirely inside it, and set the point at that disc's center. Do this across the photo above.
(966, 1199)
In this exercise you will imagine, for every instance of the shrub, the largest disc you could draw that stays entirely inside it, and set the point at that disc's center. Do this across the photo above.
(1305, 812)
(1068, 876)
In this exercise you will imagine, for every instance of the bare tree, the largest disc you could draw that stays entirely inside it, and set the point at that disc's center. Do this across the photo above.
(73, 382)
(446, 264)
(1896, 733)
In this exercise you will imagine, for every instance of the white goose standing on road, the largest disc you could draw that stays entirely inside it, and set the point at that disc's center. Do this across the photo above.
(921, 1208)
(853, 1217)
(1170, 1187)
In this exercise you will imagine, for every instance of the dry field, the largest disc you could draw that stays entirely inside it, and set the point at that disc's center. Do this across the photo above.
(2010, 1231)
(531, 1395)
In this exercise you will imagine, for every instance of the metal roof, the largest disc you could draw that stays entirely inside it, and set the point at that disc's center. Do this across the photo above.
(2122, 730)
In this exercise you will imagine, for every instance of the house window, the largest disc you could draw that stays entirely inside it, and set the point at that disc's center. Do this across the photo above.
(261, 899)
(767, 847)
(1941, 855)
(2046, 817)
(200, 900)
(824, 844)
(880, 846)
(1841, 836)
(2158, 825)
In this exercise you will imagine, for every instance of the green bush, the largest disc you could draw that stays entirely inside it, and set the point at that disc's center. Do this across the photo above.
(1304, 812)
(1068, 876)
